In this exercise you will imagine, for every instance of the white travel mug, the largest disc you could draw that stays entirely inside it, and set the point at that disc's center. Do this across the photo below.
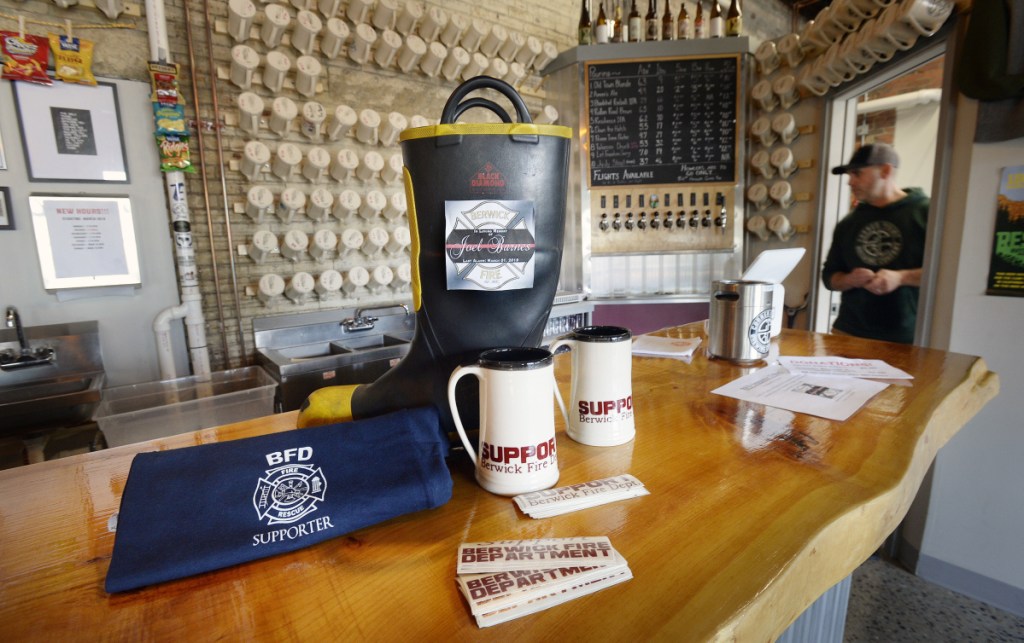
(601, 405)
(517, 420)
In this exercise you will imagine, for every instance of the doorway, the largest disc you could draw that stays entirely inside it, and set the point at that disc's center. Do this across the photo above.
(901, 105)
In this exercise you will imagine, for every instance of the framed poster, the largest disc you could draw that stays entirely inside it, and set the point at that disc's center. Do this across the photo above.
(6, 215)
(71, 133)
(85, 241)
(1006, 266)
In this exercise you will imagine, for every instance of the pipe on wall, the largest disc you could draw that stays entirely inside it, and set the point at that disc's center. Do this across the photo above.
(184, 251)
(909, 99)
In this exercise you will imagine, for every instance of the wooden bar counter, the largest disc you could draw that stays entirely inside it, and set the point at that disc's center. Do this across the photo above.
(753, 513)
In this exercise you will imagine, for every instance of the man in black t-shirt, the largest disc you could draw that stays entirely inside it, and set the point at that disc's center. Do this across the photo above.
(877, 250)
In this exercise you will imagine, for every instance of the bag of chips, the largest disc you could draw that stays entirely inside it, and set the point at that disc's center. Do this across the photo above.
(163, 78)
(170, 119)
(174, 153)
(25, 57)
(72, 59)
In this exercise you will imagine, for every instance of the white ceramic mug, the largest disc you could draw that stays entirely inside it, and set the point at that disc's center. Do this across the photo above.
(761, 131)
(874, 43)
(892, 27)
(785, 88)
(517, 420)
(761, 162)
(780, 225)
(758, 226)
(855, 56)
(836, 69)
(790, 51)
(785, 126)
(757, 194)
(925, 16)
(763, 97)
(767, 57)
(601, 408)
(812, 81)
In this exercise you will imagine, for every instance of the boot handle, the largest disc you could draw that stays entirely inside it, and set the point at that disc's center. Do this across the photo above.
(469, 104)
(452, 111)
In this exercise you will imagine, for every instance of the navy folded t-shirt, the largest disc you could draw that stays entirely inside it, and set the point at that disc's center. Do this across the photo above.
(201, 508)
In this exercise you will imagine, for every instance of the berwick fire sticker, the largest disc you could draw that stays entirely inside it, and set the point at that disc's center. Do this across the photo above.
(489, 245)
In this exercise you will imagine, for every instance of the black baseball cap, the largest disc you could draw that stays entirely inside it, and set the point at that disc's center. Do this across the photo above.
(867, 155)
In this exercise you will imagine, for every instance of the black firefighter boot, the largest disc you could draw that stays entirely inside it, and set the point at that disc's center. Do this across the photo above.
(487, 212)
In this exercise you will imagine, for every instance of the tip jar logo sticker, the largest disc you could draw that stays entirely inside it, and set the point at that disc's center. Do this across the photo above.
(489, 245)
(289, 492)
(760, 331)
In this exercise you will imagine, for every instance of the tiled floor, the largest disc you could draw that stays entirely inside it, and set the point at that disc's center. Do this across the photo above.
(889, 604)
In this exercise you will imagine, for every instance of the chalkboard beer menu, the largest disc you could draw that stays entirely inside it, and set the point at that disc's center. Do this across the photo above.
(663, 121)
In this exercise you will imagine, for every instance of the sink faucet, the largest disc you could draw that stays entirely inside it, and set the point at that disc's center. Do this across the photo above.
(28, 357)
(363, 322)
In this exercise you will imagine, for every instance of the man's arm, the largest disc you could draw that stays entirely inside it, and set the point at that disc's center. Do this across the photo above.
(886, 281)
(856, 278)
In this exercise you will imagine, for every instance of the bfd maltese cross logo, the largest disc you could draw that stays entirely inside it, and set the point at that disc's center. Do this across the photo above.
(289, 493)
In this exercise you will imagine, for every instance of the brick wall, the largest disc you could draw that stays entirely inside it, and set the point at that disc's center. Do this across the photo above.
(881, 125)
(122, 53)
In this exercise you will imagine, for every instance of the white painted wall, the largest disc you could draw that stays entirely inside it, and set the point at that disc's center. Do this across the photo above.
(126, 336)
(915, 142)
(975, 524)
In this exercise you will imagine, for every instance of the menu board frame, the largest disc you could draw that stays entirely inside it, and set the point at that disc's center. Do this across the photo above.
(586, 130)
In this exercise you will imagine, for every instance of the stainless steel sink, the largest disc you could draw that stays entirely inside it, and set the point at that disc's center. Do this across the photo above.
(62, 401)
(62, 390)
(307, 351)
(368, 342)
(311, 351)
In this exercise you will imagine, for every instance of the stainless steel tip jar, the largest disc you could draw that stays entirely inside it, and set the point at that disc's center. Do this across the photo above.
(739, 329)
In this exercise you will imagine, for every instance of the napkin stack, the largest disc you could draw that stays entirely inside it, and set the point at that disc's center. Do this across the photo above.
(503, 580)
(562, 500)
(674, 347)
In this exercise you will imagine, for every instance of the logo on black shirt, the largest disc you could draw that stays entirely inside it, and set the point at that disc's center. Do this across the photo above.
(879, 243)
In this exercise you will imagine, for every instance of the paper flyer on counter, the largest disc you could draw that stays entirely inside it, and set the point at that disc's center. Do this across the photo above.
(845, 367)
(833, 398)
(675, 347)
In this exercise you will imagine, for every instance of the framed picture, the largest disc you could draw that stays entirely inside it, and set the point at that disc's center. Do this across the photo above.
(6, 216)
(3, 157)
(85, 241)
(71, 133)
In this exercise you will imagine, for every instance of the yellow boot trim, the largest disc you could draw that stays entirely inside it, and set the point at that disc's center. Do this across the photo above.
(485, 129)
(328, 405)
(414, 245)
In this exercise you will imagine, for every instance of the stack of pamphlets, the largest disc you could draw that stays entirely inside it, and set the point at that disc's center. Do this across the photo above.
(674, 347)
(562, 500)
(503, 580)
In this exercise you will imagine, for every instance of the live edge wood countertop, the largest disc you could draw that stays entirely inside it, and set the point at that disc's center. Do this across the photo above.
(753, 513)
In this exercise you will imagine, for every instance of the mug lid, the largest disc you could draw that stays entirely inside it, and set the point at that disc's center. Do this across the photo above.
(515, 358)
(601, 334)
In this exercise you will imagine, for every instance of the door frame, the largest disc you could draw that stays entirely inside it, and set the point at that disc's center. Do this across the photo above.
(839, 141)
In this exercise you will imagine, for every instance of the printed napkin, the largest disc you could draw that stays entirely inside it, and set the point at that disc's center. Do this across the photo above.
(196, 509)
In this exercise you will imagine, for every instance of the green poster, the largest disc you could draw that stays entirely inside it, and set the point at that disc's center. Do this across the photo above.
(1006, 270)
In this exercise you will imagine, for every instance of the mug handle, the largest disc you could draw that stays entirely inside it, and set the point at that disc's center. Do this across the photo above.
(554, 383)
(458, 374)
